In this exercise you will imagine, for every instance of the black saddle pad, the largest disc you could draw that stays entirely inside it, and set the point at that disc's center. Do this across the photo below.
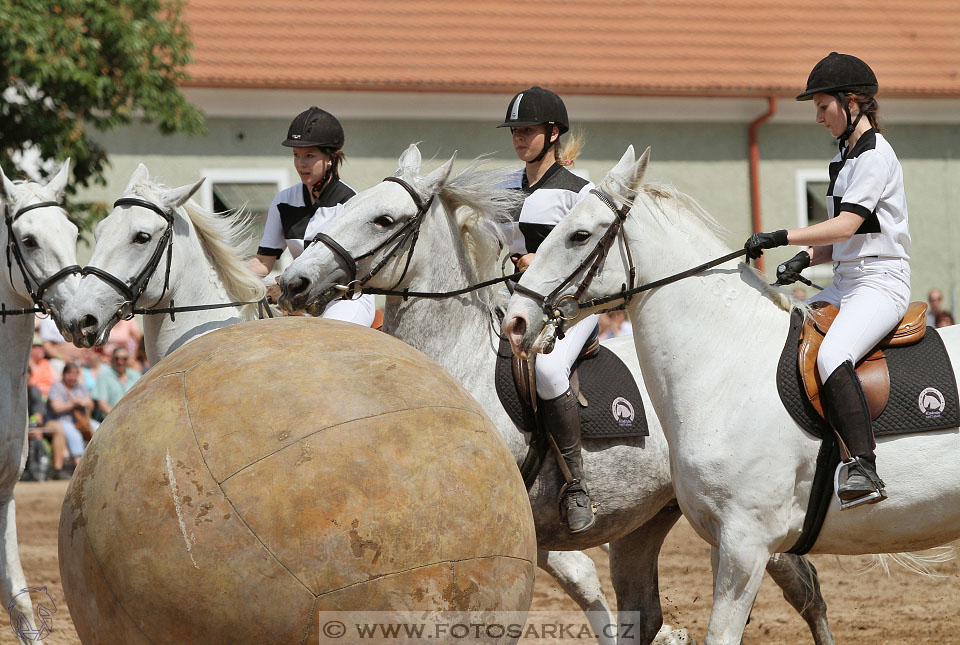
(923, 389)
(614, 406)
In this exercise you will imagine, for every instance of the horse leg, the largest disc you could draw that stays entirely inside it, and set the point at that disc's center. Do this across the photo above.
(797, 578)
(577, 575)
(737, 574)
(13, 581)
(633, 570)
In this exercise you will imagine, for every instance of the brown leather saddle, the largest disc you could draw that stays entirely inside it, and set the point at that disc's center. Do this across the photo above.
(525, 380)
(872, 369)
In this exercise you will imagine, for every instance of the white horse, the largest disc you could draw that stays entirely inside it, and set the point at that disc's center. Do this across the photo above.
(709, 346)
(42, 254)
(157, 250)
(630, 479)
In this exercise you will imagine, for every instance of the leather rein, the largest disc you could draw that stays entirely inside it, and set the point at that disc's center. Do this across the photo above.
(554, 302)
(35, 286)
(133, 288)
(409, 231)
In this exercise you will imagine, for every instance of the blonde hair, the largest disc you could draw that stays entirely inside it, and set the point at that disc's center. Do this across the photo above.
(566, 153)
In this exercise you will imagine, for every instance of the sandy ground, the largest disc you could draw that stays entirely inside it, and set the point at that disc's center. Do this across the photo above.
(874, 608)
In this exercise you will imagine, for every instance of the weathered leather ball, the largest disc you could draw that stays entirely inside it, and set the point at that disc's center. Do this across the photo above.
(275, 469)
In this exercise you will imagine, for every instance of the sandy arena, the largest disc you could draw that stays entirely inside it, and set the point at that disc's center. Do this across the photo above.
(900, 609)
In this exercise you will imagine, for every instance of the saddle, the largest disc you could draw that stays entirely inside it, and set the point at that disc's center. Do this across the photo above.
(872, 369)
(524, 374)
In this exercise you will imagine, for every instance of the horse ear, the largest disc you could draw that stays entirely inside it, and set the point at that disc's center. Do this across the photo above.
(140, 176)
(8, 191)
(59, 182)
(640, 169)
(175, 197)
(410, 161)
(438, 177)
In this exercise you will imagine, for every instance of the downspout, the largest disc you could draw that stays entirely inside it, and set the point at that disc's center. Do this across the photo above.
(756, 215)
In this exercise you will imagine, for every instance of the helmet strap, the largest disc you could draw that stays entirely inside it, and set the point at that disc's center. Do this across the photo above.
(851, 124)
(318, 187)
(547, 144)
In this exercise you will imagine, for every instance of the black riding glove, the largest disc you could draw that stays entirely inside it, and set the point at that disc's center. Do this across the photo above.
(789, 271)
(760, 241)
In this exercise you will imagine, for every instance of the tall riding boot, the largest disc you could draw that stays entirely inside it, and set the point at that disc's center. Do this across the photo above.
(848, 412)
(561, 417)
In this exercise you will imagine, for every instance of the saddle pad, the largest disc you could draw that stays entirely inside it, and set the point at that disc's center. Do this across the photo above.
(614, 410)
(923, 389)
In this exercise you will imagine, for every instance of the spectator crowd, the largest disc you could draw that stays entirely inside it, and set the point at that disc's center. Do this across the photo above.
(71, 390)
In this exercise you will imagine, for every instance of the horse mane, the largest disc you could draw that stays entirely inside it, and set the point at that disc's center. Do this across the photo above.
(221, 237)
(659, 197)
(480, 204)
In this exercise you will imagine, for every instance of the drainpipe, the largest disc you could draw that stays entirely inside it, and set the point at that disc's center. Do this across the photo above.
(757, 218)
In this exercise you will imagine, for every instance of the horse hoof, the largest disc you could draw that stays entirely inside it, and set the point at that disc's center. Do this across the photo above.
(670, 636)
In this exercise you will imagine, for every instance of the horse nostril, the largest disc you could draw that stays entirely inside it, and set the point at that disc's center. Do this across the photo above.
(516, 327)
(296, 286)
(89, 324)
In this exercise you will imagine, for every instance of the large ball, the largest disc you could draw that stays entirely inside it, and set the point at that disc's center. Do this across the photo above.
(272, 470)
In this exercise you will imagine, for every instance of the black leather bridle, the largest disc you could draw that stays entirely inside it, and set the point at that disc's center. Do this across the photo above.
(35, 287)
(133, 288)
(554, 302)
(410, 231)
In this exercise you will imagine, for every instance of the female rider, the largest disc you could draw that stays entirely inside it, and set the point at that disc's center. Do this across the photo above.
(867, 237)
(537, 118)
(299, 212)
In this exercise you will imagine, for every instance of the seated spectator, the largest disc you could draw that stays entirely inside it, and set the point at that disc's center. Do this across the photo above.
(92, 366)
(114, 382)
(614, 323)
(126, 333)
(934, 306)
(42, 374)
(944, 319)
(38, 429)
(141, 362)
(54, 345)
(70, 406)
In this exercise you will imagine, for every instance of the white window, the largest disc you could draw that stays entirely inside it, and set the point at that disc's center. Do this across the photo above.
(249, 189)
(811, 191)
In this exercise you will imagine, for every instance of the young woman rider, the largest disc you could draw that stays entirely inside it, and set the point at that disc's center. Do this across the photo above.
(867, 237)
(537, 118)
(299, 212)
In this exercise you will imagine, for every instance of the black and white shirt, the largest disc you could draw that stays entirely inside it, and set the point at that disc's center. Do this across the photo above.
(870, 184)
(292, 220)
(546, 203)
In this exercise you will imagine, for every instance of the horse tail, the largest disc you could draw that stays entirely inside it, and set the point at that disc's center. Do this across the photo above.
(567, 152)
(919, 563)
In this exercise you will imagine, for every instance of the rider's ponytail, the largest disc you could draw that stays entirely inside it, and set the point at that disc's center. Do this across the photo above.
(565, 153)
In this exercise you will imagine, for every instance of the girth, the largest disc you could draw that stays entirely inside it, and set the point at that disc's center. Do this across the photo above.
(872, 369)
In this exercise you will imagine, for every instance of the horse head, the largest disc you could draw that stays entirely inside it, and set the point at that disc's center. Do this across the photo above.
(572, 264)
(40, 242)
(370, 242)
(132, 259)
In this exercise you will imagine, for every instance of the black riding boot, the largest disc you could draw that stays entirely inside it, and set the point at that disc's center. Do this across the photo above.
(848, 412)
(561, 417)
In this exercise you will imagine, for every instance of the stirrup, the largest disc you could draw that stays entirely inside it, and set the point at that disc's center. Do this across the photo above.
(576, 487)
(877, 495)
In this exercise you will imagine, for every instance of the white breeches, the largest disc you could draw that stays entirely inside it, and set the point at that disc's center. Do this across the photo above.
(553, 369)
(872, 295)
(360, 311)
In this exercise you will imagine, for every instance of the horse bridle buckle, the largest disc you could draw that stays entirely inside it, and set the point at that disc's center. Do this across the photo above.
(557, 312)
(351, 291)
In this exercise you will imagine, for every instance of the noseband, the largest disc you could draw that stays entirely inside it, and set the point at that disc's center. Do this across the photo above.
(132, 289)
(409, 231)
(553, 303)
(35, 287)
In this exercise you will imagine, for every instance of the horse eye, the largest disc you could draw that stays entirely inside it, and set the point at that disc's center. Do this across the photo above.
(29, 242)
(383, 221)
(579, 236)
(141, 238)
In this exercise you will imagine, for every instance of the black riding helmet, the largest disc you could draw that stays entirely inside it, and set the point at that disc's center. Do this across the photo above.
(837, 74)
(315, 128)
(535, 106)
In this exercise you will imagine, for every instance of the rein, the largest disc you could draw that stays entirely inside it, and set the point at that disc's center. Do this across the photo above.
(35, 287)
(553, 302)
(134, 288)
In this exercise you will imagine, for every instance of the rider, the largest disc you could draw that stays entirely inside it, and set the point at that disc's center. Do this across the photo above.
(537, 118)
(867, 237)
(299, 212)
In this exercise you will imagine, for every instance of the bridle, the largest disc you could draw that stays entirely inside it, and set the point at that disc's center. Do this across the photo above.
(133, 288)
(553, 303)
(35, 287)
(410, 231)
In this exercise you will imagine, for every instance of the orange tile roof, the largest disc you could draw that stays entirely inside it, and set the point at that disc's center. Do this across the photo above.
(737, 48)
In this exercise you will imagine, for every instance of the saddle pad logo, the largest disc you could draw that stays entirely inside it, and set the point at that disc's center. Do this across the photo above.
(931, 402)
(623, 412)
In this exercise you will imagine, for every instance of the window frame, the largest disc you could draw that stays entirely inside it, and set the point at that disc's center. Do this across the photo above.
(802, 178)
